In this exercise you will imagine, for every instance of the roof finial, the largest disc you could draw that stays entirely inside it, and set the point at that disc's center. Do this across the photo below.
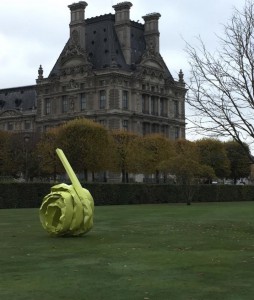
(181, 75)
(40, 73)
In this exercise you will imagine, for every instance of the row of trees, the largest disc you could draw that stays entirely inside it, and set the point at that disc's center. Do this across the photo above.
(90, 147)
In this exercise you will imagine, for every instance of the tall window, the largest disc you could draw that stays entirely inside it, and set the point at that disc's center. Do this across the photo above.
(82, 101)
(164, 130)
(27, 125)
(155, 128)
(176, 109)
(47, 106)
(125, 100)
(177, 133)
(10, 126)
(145, 104)
(65, 104)
(102, 122)
(163, 107)
(154, 105)
(102, 99)
(125, 125)
(146, 128)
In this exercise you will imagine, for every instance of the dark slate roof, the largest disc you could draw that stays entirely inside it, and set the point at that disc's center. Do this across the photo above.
(138, 44)
(19, 98)
(103, 48)
(102, 44)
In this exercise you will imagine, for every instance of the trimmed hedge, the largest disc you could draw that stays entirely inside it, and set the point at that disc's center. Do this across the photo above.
(30, 195)
(22, 195)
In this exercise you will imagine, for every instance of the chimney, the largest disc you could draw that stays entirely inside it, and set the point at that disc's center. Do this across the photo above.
(122, 26)
(77, 24)
(152, 34)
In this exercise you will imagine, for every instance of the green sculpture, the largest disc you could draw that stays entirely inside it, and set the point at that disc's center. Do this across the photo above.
(68, 210)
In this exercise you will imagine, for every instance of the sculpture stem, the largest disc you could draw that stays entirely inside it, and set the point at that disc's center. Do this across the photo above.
(73, 178)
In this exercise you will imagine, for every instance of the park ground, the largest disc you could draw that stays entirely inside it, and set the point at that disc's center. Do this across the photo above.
(157, 252)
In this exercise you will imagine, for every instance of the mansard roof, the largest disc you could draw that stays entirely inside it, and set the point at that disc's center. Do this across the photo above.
(103, 48)
(18, 98)
(102, 45)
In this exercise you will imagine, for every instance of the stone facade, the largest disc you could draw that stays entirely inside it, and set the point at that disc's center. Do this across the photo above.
(18, 109)
(110, 71)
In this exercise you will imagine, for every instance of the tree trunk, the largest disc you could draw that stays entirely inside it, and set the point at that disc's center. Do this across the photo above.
(123, 176)
(157, 178)
(85, 175)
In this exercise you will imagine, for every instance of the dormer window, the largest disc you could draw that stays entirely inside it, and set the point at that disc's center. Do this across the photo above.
(2, 103)
(18, 102)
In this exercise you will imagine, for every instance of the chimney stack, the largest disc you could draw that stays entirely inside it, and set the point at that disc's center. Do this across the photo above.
(77, 24)
(122, 26)
(152, 34)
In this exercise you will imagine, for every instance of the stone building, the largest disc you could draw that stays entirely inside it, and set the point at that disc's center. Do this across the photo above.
(110, 71)
(18, 109)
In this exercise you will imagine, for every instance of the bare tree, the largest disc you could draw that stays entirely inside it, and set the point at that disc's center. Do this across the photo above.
(221, 91)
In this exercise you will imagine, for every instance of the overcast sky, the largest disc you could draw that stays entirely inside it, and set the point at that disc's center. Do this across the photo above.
(34, 32)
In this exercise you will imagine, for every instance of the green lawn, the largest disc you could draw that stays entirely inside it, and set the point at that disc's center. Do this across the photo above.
(156, 252)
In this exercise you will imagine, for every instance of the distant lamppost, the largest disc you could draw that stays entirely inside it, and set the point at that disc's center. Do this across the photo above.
(26, 140)
(39, 158)
(54, 167)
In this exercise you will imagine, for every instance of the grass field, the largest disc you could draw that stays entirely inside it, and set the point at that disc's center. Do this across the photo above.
(156, 252)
